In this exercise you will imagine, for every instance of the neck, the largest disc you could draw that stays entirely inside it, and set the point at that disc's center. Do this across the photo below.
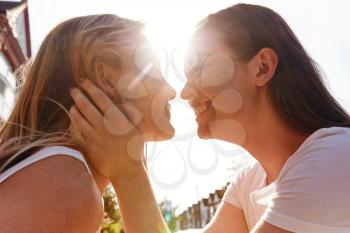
(272, 141)
(100, 180)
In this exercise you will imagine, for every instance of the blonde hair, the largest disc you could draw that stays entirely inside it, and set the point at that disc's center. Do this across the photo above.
(70, 51)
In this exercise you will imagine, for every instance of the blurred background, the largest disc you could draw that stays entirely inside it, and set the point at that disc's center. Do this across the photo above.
(189, 175)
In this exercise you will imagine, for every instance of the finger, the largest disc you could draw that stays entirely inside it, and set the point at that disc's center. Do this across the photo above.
(75, 133)
(101, 99)
(88, 110)
(82, 125)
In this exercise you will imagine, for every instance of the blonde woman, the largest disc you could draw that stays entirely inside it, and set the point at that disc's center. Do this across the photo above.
(46, 184)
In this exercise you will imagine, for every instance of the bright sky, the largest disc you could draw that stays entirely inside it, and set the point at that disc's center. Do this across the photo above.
(187, 168)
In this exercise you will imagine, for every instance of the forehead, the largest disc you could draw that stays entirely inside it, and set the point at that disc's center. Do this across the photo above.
(140, 56)
(146, 51)
(205, 43)
(208, 41)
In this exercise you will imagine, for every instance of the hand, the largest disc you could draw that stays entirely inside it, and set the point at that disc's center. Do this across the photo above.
(112, 143)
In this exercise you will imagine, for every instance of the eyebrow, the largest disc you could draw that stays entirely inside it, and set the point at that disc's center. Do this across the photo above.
(199, 67)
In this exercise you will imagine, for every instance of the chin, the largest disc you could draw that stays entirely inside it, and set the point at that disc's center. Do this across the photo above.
(161, 135)
(204, 132)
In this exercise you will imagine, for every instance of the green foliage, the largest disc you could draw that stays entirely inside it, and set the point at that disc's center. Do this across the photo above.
(112, 220)
(169, 216)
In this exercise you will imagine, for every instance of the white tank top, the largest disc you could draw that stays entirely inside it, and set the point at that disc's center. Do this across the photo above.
(42, 154)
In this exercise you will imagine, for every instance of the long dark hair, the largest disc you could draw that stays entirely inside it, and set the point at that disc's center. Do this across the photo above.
(297, 89)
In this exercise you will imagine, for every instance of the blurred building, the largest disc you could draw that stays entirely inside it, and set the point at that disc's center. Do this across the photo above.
(14, 49)
(199, 214)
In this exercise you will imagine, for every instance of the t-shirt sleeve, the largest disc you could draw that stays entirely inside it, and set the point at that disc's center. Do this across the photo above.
(312, 193)
(231, 195)
(239, 188)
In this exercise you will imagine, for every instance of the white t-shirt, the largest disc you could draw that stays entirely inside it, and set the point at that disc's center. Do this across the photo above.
(311, 193)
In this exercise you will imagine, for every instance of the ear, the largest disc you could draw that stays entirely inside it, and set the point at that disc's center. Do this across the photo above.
(266, 61)
(100, 70)
(102, 76)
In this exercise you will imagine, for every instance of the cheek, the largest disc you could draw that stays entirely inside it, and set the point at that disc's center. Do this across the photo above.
(159, 114)
(218, 69)
(232, 97)
(144, 106)
(228, 101)
(153, 111)
(245, 81)
(157, 105)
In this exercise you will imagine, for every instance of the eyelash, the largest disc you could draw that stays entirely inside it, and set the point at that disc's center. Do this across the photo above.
(197, 70)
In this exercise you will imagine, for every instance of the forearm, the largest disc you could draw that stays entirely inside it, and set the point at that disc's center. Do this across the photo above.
(139, 209)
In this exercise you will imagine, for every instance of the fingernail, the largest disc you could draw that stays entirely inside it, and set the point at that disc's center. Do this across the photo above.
(73, 91)
(86, 82)
(72, 110)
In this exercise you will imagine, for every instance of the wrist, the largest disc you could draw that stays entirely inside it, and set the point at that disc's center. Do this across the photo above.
(133, 172)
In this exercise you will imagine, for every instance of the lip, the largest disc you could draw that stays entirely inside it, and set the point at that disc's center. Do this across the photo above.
(198, 106)
(167, 109)
(194, 103)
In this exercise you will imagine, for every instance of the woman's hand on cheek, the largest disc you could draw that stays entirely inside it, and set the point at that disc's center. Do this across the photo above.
(111, 141)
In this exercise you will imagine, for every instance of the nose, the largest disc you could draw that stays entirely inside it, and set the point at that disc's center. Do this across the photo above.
(187, 92)
(170, 91)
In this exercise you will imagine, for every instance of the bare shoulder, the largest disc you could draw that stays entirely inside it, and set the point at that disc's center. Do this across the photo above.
(56, 194)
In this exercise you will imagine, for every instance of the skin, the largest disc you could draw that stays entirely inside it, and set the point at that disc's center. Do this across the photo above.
(127, 173)
(40, 202)
(257, 116)
(256, 124)
(142, 89)
(66, 208)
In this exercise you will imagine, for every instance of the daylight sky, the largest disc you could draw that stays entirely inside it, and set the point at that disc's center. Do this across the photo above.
(175, 166)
